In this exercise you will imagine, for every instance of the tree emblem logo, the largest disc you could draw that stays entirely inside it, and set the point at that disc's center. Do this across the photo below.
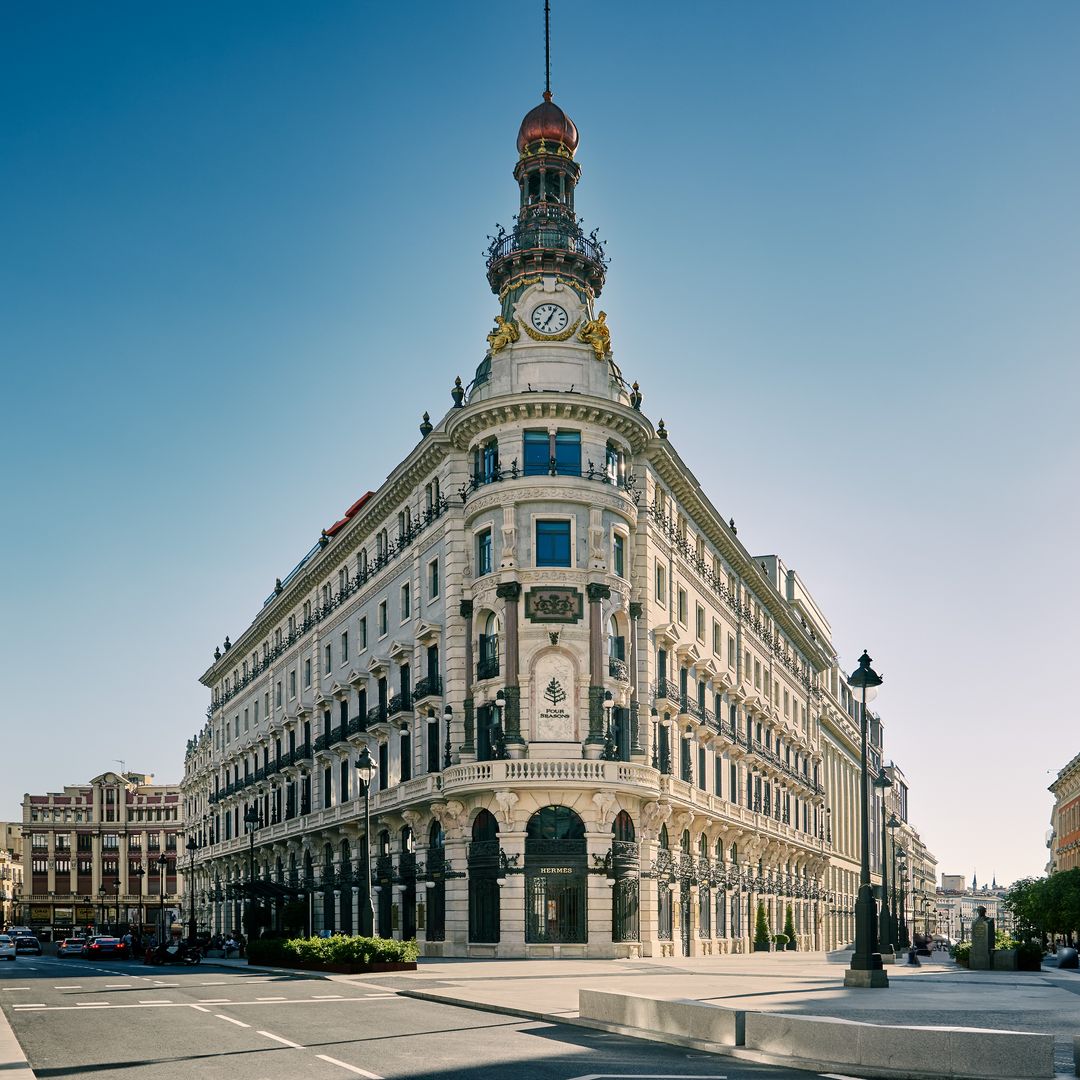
(554, 692)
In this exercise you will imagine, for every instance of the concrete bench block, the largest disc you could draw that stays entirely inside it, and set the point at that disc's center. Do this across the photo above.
(937, 1051)
(687, 1019)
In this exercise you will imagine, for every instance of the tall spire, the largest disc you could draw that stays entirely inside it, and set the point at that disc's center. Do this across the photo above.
(547, 50)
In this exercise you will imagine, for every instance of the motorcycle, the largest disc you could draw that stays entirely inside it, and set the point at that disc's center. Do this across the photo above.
(173, 953)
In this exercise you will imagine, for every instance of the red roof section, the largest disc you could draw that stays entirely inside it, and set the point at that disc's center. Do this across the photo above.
(349, 514)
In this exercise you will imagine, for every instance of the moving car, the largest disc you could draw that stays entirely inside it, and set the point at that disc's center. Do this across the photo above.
(27, 943)
(72, 946)
(98, 948)
(7, 947)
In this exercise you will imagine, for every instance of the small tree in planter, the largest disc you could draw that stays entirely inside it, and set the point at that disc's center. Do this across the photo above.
(761, 930)
(789, 930)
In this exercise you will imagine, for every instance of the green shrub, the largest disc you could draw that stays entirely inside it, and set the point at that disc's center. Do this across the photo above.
(961, 952)
(338, 949)
(1029, 956)
(789, 929)
(780, 939)
(761, 929)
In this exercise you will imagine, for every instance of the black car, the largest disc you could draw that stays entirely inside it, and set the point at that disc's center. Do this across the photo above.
(97, 948)
(27, 943)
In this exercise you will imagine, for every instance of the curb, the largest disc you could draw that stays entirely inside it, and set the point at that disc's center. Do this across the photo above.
(13, 1061)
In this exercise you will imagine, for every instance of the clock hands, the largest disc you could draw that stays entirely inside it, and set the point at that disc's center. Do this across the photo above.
(551, 315)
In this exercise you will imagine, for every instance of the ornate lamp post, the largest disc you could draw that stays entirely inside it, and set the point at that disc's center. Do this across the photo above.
(192, 847)
(139, 873)
(252, 821)
(101, 907)
(903, 937)
(610, 751)
(163, 864)
(892, 825)
(365, 771)
(886, 941)
(866, 969)
(448, 716)
(116, 889)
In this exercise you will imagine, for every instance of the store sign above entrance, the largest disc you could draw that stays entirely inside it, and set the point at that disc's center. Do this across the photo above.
(554, 605)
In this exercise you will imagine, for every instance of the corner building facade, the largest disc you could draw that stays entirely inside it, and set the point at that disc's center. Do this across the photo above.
(595, 717)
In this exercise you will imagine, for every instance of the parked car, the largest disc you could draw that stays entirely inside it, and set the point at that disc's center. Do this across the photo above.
(7, 947)
(99, 948)
(72, 946)
(27, 943)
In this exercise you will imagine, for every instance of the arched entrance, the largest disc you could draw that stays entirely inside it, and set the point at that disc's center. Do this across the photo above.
(436, 893)
(664, 878)
(407, 880)
(684, 891)
(484, 879)
(556, 878)
(384, 874)
(328, 883)
(626, 866)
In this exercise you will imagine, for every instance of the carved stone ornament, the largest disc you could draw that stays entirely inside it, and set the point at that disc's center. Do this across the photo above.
(450, 814)
(605, 807)
(414, 819)
(595, 332)
(505, 333)
(557, 604)
(653, 816)
(507, 800)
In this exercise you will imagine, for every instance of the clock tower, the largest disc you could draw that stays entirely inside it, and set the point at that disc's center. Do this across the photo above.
(547, 273)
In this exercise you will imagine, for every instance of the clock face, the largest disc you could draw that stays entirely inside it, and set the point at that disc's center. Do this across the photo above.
(549, 318)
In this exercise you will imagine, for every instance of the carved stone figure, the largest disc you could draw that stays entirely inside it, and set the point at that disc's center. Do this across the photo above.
(507, 800)
(505, 333)
(605, 807)
(595, 332)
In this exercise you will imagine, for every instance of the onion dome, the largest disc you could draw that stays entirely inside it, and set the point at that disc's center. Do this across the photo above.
(549, 123)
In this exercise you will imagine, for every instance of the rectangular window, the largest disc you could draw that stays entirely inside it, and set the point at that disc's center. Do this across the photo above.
(731, 650)
(327, 661)
(716, 646)
(553, 543)
(701, 768)
(343, 779)
(483, 552)
(382, 618)
(384, 766)
(486, 462)
(699, 622)
(619, 555)
(682, 605)
(406, 756)
(433, 579)
(362, 634)
(537, 453)
(718, 775)
(757, 674)
(787, 704)
(247, 721)
(307, 672)
(327, 787)
(255, 715)
(433, 758)
(344, 646)
(661, 584)
(292, 683)
(568, 453)
(406, 602)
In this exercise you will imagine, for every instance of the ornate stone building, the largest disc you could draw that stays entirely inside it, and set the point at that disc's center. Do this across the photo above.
(1063, 839)
(599, 725)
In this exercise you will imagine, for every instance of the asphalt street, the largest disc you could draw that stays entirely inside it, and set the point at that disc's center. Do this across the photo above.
(117, 1020)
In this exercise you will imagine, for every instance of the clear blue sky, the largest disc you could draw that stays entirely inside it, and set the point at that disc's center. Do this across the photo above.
(241, 253)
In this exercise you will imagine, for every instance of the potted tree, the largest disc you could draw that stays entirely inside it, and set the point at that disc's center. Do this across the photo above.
(761, 930)
(789, 930)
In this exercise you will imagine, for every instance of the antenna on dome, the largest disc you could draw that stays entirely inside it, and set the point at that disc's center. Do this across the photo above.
(547, 50)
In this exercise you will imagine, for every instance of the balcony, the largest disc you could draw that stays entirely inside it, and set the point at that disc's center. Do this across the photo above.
(400, 703)
(488, 668)
(429, 687)
(376, 715)
(358, 724)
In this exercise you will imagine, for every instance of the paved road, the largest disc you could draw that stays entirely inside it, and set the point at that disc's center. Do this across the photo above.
(115, 1020)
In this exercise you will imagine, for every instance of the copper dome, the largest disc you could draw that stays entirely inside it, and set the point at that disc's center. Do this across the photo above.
(548, 122)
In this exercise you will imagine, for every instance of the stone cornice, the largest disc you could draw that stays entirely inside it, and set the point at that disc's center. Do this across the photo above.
(463, 425)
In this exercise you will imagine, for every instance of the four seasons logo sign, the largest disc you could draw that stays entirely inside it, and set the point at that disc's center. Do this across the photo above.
(553, 699)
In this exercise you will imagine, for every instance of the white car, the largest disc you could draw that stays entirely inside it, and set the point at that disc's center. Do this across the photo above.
(7, 947)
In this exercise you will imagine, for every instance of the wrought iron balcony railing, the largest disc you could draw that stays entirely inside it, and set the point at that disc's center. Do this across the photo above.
(617, 669)
(427, 687)
(488, 668)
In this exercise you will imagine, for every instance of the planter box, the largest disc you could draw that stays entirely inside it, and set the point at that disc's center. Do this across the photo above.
(341, 969)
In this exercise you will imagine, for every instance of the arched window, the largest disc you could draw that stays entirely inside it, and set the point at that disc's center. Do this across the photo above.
(555, 823)
(616, 642)
(665, 843)
(734, 853)
(623, 827)
(436, 838)
(485, 827)
(703, 848)
(384, 842)
(684, 842)
(408, 844)
(720, 851)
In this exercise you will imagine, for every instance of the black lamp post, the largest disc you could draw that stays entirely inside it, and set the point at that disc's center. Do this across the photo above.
(610, 751)
(365, 771)
(251, 823)
(101, 907)
(116, 889)
(903, 938)
(192, 847)
(448, 716)
(655, 738)
(139, 873)
(886, 941)
(892, 826)
(865, 969)
(163, 863)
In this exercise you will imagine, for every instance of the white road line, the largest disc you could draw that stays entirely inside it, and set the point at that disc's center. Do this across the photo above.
(199, 1008)
(368, 997)
(67, 987)
(238, 1023)
(91, 1004)
(220, 982)
(272, 999)
(154, 1001)
(16, 987)
(214, 1001)
(327, 997)
(278, 1038)
(118, 986)
(352, 1068)
(29, 1005)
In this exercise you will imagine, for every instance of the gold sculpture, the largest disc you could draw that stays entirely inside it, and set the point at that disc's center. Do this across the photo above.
(505, 333)
(595, 332)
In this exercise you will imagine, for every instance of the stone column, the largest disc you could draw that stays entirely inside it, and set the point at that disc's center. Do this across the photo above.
(466, 611)
(636, 745)
(597, 593)
(512, 896)
(600, 895)
(510, 591)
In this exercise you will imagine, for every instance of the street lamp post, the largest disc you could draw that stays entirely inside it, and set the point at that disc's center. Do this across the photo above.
(892, 826)
(448, 716)
(865, 969)
(365, 771)
(101, 907)
(904, 937)
(192, 847)
(886, 940)
(163, 863)
(139, 873)
(251, 822)
(116, 889)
